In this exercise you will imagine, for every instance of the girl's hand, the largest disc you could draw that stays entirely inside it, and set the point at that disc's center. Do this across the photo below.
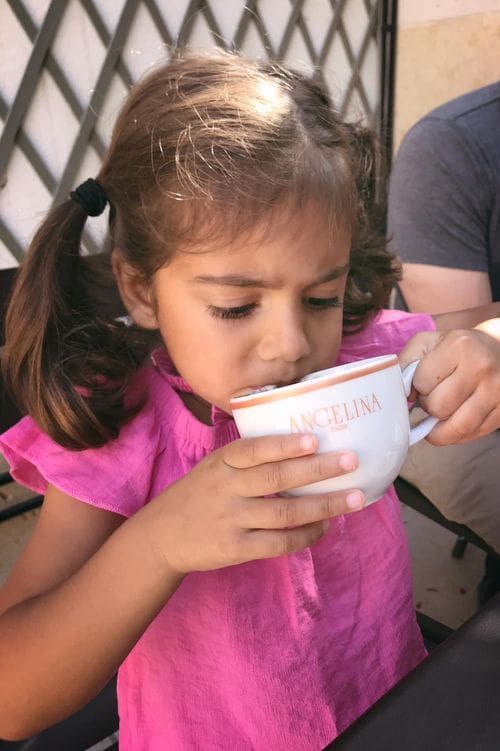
(218, 515)
(457, 380)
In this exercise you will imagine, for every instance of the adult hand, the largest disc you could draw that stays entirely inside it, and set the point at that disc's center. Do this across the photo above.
(458, 381)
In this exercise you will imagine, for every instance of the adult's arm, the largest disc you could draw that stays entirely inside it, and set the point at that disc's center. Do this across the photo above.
(439, 289)
(438, 218)
(483, 317)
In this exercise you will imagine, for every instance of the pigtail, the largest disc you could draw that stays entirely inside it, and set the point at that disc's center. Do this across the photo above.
(374, 270)
(66, 364)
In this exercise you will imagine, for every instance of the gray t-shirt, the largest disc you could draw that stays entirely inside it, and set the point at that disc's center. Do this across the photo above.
(444, 197)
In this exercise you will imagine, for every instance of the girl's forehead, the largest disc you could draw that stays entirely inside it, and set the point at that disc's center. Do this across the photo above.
(308, 225)
(307, 243)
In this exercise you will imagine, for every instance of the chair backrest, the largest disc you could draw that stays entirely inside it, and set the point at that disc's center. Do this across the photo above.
(94, 723)
(7, 277)
(9, 413)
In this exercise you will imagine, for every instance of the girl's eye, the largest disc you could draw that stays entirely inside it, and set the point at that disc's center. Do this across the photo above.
(319, 304)
(232, 313)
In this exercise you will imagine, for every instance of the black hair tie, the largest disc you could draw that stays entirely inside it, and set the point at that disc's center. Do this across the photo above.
(91, 196)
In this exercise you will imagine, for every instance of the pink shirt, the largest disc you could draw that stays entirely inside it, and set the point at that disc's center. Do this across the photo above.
(278, 654)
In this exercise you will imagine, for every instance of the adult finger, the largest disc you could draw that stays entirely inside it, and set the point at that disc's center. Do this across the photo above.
(448, 395)
(449, 373)
(419, 346)
(474, 418)
(490, 424)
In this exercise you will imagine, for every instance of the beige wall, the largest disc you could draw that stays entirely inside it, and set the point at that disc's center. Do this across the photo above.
(445, 48)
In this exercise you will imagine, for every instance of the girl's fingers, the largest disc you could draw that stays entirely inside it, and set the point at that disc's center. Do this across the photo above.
(259, 543)
(273, 464)
(285, 512)
(280, 476)
(250, 452)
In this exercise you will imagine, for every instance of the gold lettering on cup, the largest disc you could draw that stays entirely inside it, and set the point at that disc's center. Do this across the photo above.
(335, 416)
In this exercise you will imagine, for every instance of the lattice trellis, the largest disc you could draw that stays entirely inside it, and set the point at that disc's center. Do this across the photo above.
(67, 64)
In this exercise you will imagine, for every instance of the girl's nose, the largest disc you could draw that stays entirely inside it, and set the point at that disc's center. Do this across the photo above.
(285, 339)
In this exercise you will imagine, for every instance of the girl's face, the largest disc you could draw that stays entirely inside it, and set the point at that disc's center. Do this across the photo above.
(255, 312)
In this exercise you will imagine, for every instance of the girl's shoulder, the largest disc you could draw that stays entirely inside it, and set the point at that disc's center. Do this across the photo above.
(126, 472)
(386, 333)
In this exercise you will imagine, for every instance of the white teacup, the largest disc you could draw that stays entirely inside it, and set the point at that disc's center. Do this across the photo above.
(360, 406)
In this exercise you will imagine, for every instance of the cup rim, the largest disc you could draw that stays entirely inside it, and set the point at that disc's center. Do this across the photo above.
(329, 377)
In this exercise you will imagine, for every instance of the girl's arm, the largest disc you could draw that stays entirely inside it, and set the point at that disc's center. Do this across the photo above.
(89, 583)
(86, 587)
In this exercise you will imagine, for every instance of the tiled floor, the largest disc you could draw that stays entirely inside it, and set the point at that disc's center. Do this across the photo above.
(444, 587)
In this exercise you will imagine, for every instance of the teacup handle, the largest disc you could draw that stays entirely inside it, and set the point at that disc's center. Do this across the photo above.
(423, 428)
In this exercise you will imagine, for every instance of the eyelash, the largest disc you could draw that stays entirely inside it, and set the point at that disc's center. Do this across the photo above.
(317, 305)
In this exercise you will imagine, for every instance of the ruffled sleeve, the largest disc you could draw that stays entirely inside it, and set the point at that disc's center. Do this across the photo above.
(158, 446)
(116, 477)
(386, 334)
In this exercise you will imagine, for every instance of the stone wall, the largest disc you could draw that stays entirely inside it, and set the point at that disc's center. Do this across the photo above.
(445, 48)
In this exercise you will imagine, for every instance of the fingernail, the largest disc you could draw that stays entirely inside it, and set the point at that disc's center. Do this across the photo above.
(347, 462)
(307, 442)
(355, 499)
(325, 524)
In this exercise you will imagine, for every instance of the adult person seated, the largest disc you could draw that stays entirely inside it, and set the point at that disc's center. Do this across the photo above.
(444, 219)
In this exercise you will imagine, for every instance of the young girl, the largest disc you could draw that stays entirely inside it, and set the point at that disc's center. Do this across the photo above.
(245, 234)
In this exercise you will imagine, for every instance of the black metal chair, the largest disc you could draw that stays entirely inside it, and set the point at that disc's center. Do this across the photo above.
(434, 632)
(9, 415)
(412, 497)
(97, 721)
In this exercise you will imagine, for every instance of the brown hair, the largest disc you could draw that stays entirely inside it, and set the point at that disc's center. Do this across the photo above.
(205, 146)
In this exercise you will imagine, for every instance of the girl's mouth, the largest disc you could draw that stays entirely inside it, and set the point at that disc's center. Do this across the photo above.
(257, 390)
(267, 387)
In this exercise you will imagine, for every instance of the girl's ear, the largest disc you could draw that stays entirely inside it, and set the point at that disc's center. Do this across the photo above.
(136, 295)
